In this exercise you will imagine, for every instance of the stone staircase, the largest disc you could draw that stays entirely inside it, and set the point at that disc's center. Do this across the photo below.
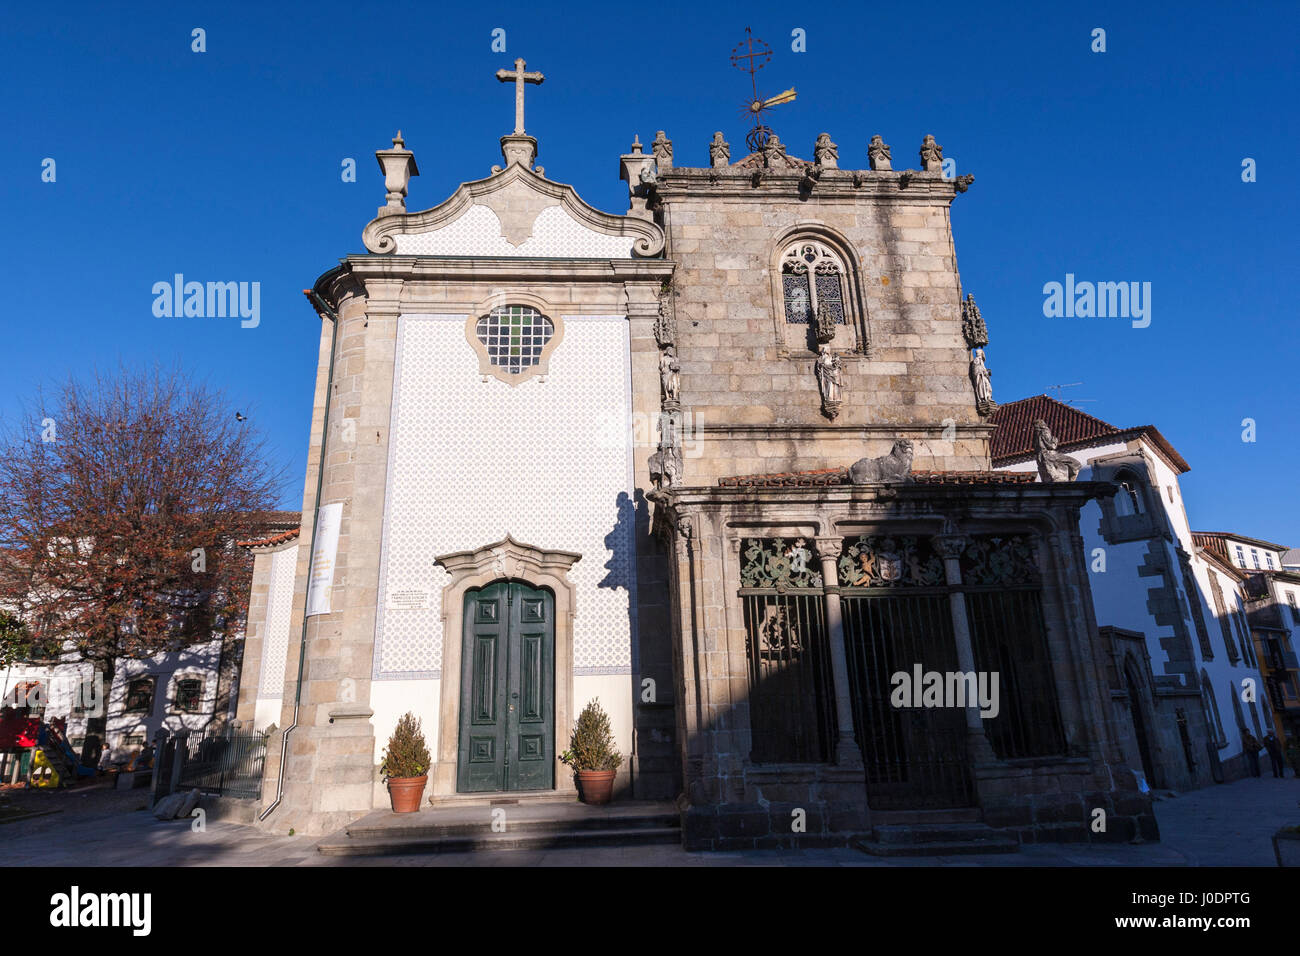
(935, 833)
(533, 825)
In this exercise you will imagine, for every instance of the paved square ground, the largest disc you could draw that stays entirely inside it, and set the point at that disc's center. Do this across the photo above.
(1222, 825)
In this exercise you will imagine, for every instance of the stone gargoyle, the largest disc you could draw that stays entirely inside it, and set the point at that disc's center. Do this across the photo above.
(896, 466)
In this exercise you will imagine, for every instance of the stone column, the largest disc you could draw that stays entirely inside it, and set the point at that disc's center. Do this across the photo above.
(847, 751)
(950, 546)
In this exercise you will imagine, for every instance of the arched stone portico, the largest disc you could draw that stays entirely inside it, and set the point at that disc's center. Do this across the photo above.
(506, 560)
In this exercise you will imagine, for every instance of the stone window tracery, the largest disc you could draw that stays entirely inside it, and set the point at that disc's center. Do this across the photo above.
(812, 282)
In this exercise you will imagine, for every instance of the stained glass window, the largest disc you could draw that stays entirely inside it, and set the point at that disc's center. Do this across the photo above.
(514, 336)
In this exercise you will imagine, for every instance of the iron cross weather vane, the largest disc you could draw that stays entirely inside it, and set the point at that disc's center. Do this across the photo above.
(750, 55)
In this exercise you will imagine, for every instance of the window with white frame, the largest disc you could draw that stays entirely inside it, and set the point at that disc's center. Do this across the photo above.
(1241, 556)
(1254, 556)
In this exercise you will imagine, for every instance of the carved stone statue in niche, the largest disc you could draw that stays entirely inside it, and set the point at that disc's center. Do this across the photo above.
(719, 151)
(1052, 464)
(826, 154)
(830, 379)
(931, 155)
(979, 376)
(670, 375)
(972, 324)
(878, 153)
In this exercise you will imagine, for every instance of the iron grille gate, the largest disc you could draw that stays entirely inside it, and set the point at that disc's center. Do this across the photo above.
(915, 756)
(1008, 637)
(792, 694)
(897, 612)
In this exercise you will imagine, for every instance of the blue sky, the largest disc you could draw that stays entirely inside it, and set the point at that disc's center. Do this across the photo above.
(1116, 166)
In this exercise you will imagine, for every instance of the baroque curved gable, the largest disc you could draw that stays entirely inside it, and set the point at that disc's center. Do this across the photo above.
(515, 212)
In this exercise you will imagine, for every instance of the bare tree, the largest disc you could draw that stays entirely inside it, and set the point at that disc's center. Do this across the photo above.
(121, 500)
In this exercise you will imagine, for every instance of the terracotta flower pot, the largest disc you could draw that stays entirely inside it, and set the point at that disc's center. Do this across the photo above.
(405, 792)
(596, 786)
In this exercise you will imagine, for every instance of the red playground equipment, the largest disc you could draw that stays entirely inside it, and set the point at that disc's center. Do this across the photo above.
(37, 752)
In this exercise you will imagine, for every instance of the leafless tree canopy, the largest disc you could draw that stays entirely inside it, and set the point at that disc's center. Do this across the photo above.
(121, 499)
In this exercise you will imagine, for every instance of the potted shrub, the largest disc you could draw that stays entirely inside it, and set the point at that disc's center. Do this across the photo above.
(592, 756)
(1286, 846)
(406, 764)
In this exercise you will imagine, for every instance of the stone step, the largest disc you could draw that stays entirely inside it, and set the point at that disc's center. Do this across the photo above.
(934, 833)
(434, 828)
(523, 839)
(940, 847)
(908, 817)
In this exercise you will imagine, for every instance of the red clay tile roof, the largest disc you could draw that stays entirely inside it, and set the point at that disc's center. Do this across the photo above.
(839, 476)
(1217, 541)
(788, 479)
(1014, 438)
(274, 539)
(1015, 421)
(975, 477)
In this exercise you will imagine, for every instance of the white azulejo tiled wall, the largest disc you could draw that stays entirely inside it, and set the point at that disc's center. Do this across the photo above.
(546, 461)
(275, 640)
(478, 233)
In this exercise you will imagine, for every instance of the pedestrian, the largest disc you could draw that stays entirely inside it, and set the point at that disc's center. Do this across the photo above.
(1274, 754)
(105, 759)
(1250, 747)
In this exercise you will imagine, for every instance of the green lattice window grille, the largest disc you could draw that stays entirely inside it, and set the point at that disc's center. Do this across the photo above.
(890, 561)
(1000, 561)
(812, 278)
(778, 563)
(514, 336)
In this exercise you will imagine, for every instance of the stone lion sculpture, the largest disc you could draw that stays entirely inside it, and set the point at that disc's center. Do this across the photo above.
(896, 466)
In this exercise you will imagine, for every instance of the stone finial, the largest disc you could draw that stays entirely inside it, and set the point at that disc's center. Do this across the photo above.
(398, 166)
(663, 151)
(931, 155)
(878, 154)
(637, 170)
(774, 152)
(825, 153)
(1052, 464)
(973, 328)
(719, 151)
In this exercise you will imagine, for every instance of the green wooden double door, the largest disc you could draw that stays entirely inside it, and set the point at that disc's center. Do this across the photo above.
(507, 690)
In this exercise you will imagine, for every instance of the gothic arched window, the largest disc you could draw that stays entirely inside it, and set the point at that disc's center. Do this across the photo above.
(514, 336)
(812, 283)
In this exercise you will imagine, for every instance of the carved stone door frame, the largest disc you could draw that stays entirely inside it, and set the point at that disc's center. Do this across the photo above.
(506, 560)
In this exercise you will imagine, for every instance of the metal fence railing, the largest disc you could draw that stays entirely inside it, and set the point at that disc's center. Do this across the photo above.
(225, 764)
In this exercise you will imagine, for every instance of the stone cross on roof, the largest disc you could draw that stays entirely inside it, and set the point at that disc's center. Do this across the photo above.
(520, 78)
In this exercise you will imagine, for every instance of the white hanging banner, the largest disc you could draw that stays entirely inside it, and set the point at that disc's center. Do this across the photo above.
(320, 580)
